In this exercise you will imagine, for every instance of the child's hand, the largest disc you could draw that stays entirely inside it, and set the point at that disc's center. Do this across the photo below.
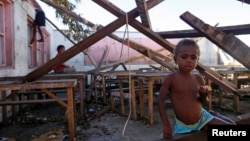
(167, 132)
(205, 89)
(203, 94)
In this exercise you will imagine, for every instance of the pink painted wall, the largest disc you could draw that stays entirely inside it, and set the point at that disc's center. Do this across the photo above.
(116, 51)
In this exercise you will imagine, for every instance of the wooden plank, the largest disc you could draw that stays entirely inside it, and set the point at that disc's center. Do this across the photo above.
(55, 97)
(40, 71)
(236, 30)
(71, 113)
(196, 136)
(101, 60)
(41, 84)
(40, 101)
(4, 108)
(227, 42)
(245, 1)
(143, 12)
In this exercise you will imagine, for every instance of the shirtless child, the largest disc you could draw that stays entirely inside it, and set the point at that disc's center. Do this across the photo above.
(185, 90)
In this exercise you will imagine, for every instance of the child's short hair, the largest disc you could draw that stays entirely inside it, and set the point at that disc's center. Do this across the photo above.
(186, 42)
(59, 47)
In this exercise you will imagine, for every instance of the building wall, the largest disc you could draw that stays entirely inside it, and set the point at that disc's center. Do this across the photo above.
(21, 11)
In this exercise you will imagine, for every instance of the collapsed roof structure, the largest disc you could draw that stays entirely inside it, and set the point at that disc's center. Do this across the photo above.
(221, 36)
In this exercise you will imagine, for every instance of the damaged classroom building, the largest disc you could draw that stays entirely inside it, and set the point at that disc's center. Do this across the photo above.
(105, 58)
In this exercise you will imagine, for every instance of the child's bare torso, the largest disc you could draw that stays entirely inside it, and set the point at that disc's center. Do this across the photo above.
(183, 95)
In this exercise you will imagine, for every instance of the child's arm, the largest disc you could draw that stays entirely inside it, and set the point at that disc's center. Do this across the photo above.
(167, 131)
(65, 65)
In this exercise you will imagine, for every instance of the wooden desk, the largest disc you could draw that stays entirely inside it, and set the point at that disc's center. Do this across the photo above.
(235, 74)
(44, 85)
(81, 77)
(239, 77)
(104, 75)
(148, 78)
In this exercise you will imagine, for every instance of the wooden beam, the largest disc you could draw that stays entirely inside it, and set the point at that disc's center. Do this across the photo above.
(227, 42)
(143, 12)
(101, 60)
(236, 30)
(170, 47)
(245, 1)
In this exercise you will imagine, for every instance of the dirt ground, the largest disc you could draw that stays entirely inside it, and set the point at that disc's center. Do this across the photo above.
(48, 123)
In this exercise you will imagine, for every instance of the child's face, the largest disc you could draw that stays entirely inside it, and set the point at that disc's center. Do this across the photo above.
(61, 50)
(187, 58)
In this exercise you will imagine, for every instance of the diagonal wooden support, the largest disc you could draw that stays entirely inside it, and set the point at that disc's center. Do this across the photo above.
(52, 95)
(101, 61)
(164, 43)
(245, 1)
(227, 42)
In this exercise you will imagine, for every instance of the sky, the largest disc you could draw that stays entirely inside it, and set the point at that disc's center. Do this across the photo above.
(166, 15)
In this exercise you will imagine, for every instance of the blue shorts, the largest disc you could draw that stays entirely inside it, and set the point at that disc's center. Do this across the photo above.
(181, 127)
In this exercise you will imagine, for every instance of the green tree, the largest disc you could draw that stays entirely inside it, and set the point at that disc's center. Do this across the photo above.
(77, 30)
